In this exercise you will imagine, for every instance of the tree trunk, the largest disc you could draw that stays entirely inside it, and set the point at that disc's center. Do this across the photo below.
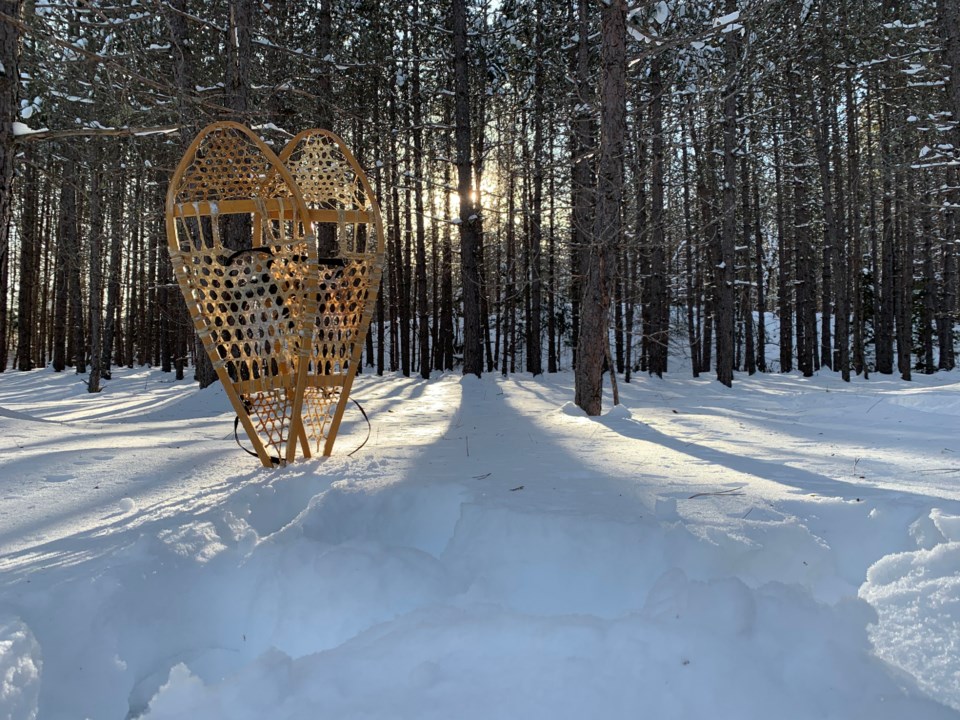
(802, 251)
(904, 274)
(855, 217)
(66, 242)
(469, 220)
(9, 112)
(509, 295)
(446, 272)
(534, 351)
(872, 215)
(45, 296)
(635, 252)
(724, 288)
(593, 343)
(785, 285)
(113, 275)
(582, 179)
(324, 89)
(929, 288)
(657, 333)
(841, 271)
(421, 279)
(693, 331)
(831, 235)
(746, 298)
(948, 12)
(29, 269)
(96, 272)
(553, 344)
(405, 275)
(948, 288)
(885, 301)
(759, 274)
(238, 57)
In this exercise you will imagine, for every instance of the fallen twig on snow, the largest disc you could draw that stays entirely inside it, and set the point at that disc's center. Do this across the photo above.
(728, 491)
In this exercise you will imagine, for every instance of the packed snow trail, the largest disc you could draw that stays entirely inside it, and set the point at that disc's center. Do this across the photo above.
(787, 548)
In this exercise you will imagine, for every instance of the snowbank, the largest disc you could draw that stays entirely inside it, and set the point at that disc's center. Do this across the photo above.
(790, 548)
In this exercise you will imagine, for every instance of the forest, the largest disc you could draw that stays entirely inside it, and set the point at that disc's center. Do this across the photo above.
(753, 185)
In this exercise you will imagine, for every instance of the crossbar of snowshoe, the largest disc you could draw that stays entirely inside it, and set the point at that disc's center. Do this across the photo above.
(276, 210)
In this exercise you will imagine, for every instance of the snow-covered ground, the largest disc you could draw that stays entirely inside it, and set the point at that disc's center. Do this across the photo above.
(786, 549)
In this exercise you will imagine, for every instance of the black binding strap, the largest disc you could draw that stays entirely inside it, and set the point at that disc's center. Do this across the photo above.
(364, 413)
(262, 249)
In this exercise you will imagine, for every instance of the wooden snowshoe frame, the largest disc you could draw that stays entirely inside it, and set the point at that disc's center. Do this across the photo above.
(283, 327)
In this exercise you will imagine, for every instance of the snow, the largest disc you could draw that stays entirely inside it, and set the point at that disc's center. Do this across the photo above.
(727, 19)
(20, 129)
(20, 667)
(661, 13)
(637, 35)
(786, 548)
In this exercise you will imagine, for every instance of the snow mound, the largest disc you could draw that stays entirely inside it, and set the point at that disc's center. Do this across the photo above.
(618, 412)
(948, 525)
(479, 661)
(917, 598)
(20, 667)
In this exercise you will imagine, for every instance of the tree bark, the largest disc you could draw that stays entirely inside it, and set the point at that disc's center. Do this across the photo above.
(724, 288)
(805, 291)
(9, 112)
(113, 276)
(593, 343)
(948, 287)
(929, 288)
(886, 304)
(948, 12)
(66, 242)
(657, 333)
(710, 228)
(841, 272)
(582, 178)
(324, 93)
(534, 350)
(29, 270)
(238, 57)
(421, 273)
(831, 234)
(819, 107)
(553, 342)
(693, 331)
(469, 220)
(785, 285)
(759, 274)
(746, 285)
(904, 274)
(509, 296)
(96, 273)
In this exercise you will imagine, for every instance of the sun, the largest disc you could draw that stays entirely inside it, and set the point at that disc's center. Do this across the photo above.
(489, 195)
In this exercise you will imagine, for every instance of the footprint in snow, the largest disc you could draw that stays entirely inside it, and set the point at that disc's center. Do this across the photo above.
(57, 478)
